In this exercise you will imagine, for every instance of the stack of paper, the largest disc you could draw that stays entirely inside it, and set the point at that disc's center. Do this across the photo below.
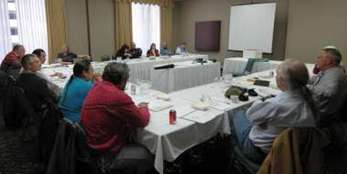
(203, 117)
(157, 105)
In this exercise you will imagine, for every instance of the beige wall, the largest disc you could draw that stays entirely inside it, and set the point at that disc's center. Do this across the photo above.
(101, 19)
(313, 24)
(101, 15)
(187, 12)
(76, 26)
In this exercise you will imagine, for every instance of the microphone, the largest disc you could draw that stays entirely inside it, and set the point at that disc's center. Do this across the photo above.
(168, 66)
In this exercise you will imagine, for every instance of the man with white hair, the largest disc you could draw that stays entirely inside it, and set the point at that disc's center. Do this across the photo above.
(328, 86)
(265, 120)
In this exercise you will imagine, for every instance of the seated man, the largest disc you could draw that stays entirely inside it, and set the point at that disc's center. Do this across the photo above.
(265, 120)
(181, 49)
(11, 63)
(123, 52)
(41, 54)
(110, 117)
(328, 86)
(135, 52)
(35, 88)
(66, 55)
(165, 51)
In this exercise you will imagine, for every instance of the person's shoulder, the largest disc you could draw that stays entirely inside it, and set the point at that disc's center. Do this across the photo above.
(31, 78)
(334, 73)
(11, 55)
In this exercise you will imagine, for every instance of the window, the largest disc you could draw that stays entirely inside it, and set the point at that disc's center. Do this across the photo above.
(14, 31)
(12, 10)
(13, 15)
(27, 23)
(146, 25)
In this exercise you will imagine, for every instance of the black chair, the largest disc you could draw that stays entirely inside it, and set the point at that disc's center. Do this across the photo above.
(71, 153)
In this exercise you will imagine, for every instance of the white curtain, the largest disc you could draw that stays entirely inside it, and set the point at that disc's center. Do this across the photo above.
(5, 37)
(32, 24)
(146, 25)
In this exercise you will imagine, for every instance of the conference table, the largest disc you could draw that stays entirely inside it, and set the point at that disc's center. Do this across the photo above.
(140, 69)
(237, 65)
(202, 112)
(184, 75)
(194, 124)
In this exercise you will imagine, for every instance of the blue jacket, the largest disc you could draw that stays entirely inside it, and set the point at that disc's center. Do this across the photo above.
(72, 98)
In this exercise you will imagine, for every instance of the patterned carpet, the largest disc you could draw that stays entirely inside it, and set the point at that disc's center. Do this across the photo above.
(14, 157)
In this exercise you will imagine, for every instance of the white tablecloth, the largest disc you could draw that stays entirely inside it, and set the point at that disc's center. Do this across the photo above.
(237, 65)
(139, 68)
(185, 75)
(193, 126)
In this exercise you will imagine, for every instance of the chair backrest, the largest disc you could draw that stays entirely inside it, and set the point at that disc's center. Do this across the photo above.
(249, 66)
(14, 105)
(295, 151)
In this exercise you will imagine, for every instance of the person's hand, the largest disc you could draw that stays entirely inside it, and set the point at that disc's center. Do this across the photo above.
(142, 104)
(97, 77)
(127, 55)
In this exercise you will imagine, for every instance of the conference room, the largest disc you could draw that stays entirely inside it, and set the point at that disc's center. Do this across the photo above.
(173, 86)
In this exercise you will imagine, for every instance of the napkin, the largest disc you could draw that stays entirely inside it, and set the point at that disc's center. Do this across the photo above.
(202, 106)
(163, 96)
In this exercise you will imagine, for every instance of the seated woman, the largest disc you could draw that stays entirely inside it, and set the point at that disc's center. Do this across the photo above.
(66, 55)
(76, 90)
(123, 52)
(265, 120)
(153, 51)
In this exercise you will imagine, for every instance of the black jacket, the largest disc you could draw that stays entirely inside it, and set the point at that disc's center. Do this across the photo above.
(35, 89)
(70, 154)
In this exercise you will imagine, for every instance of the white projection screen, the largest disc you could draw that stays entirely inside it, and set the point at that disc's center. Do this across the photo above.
(252, 26)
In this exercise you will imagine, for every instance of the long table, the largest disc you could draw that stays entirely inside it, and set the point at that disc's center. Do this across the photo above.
(193, 126)
(168, 141)
(140, 69)
(184, 75)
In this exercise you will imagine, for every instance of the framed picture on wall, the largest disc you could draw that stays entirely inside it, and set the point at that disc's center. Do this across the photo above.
(207, 35)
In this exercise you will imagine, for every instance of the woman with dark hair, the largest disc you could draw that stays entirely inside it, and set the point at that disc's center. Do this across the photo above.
(153, 51)
(76, 90)
(123, 52)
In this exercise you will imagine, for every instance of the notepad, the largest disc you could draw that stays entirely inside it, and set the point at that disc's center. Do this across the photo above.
(202, 117)
(157, 106)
